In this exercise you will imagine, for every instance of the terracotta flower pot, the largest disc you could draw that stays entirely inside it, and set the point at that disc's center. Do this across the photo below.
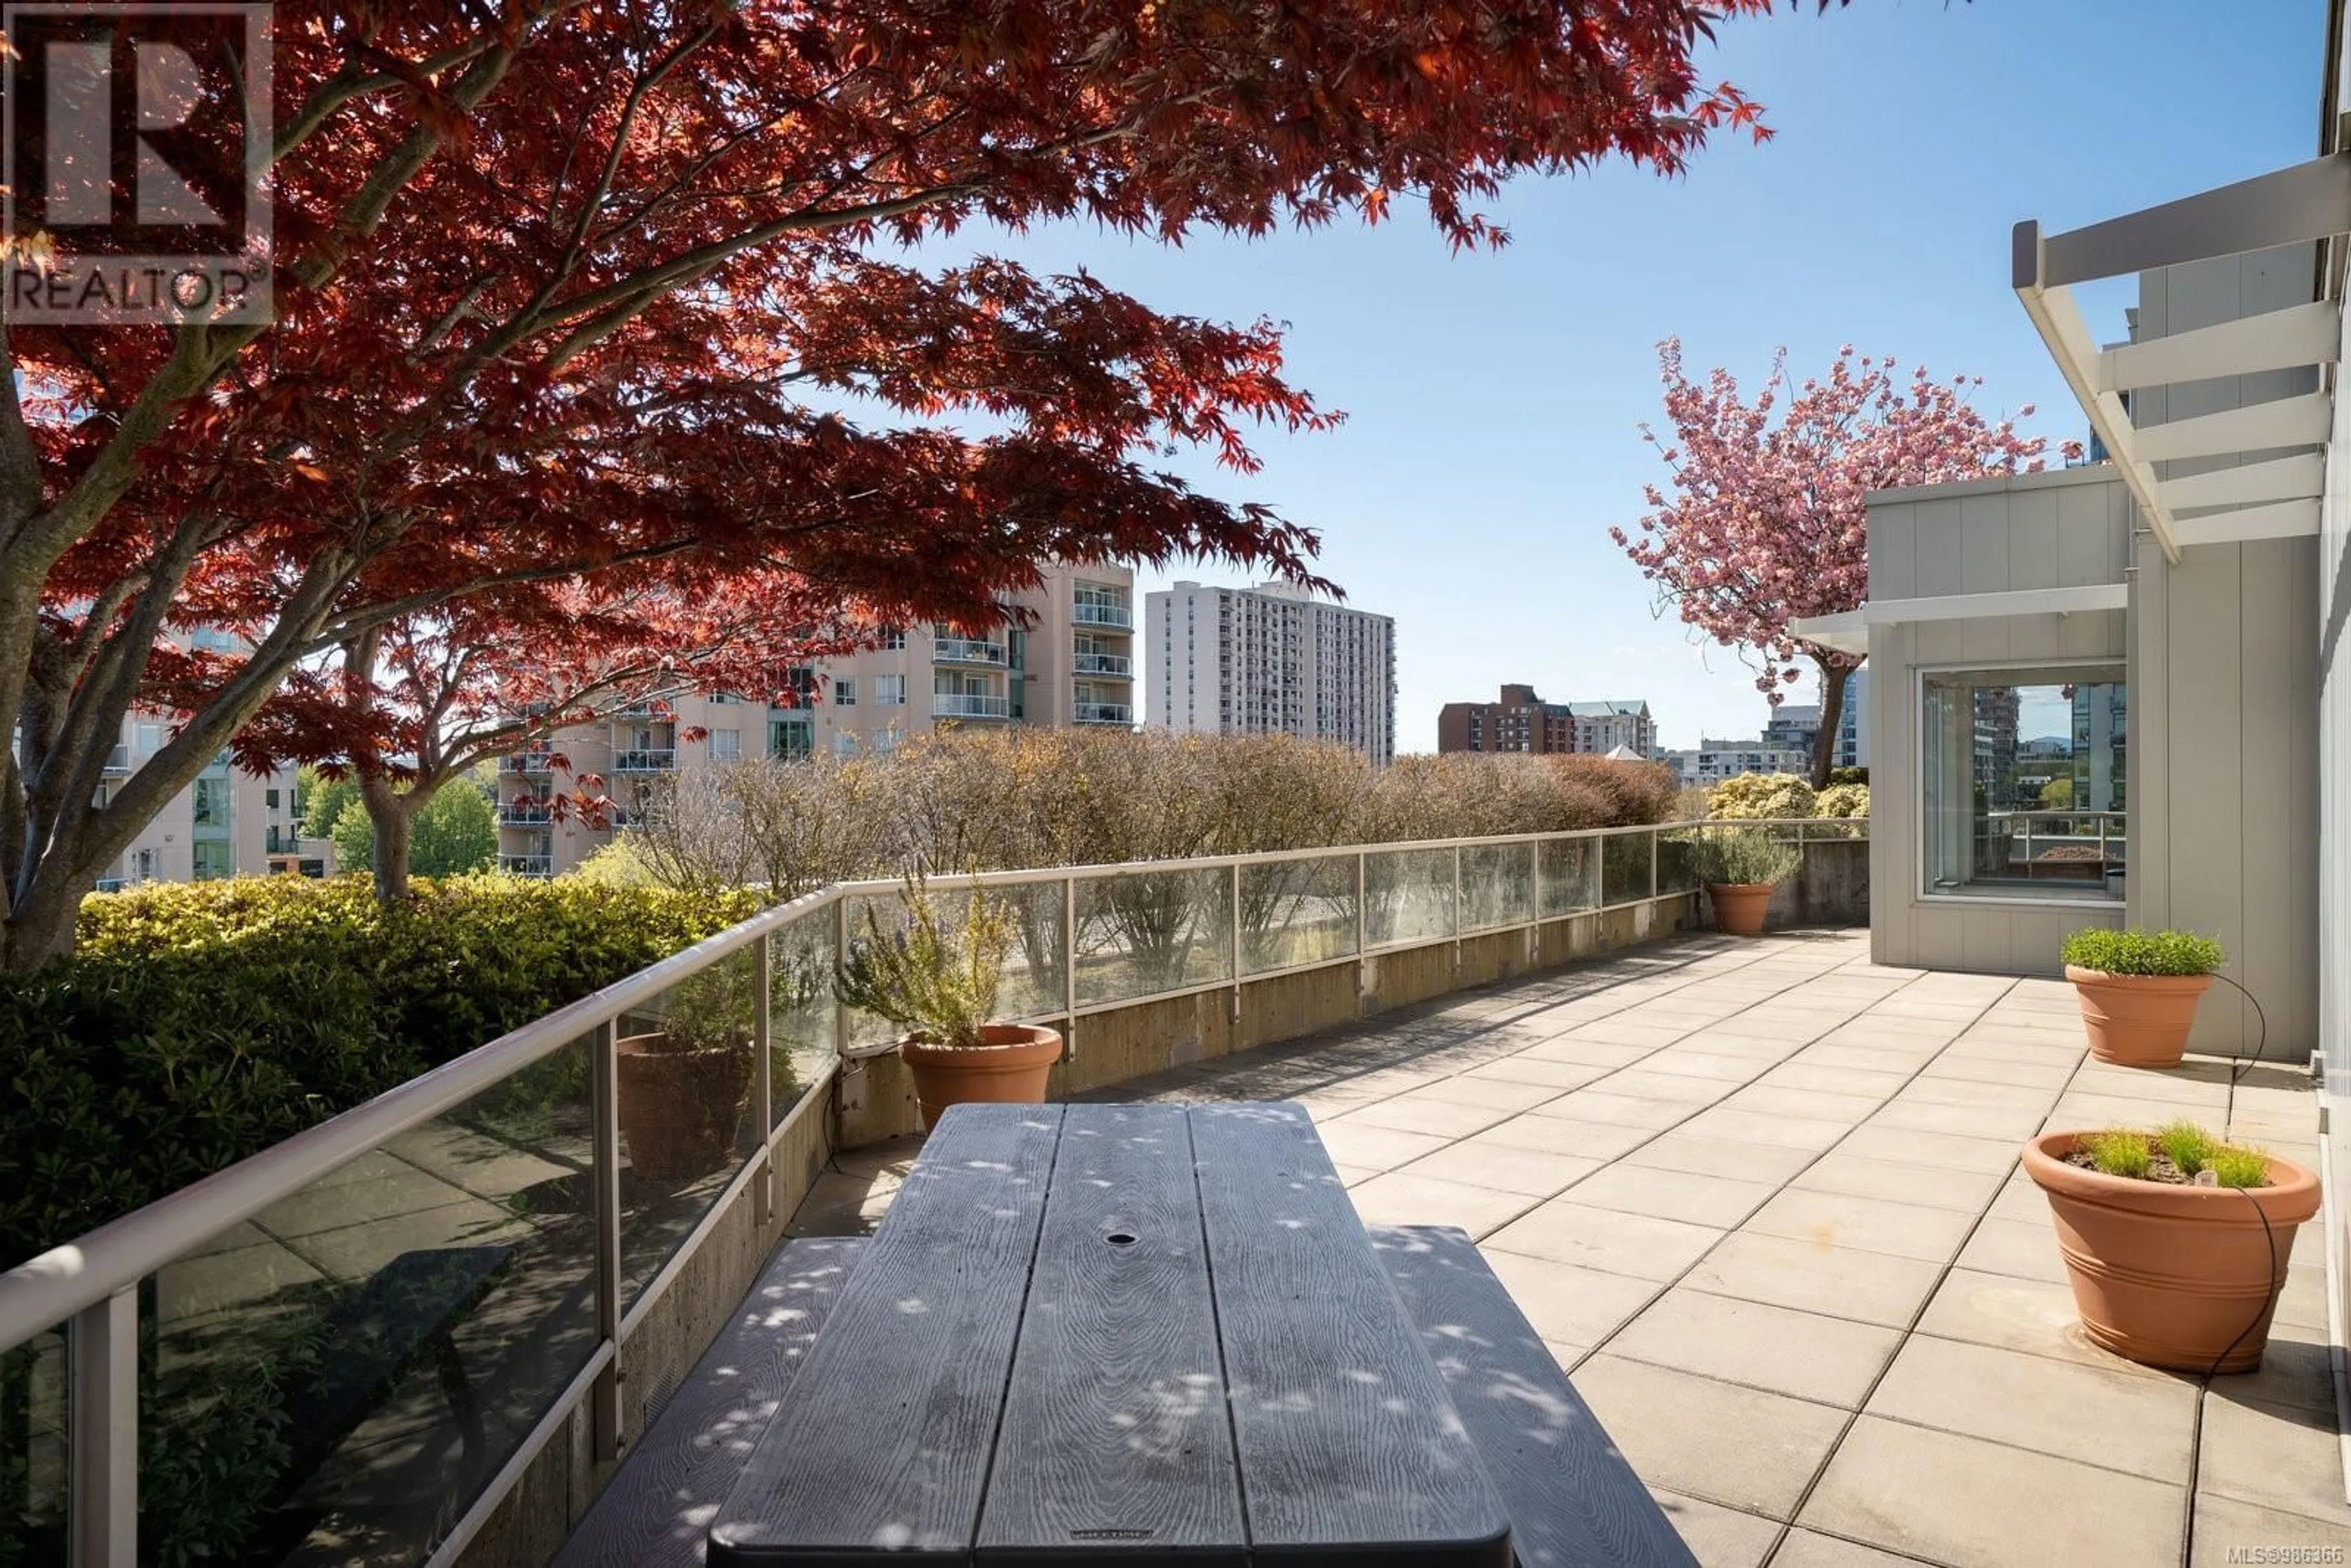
(1011, 1069)
(679, 1109)
(2179, 1277)
(1739, 907)
(2137, 1020)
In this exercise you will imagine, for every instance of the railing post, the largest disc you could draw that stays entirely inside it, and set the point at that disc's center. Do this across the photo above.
(1235, 889)
(2028, 845)
(605, 1168)
(840, 968)
(1535, 914)
(1653, 864)
(1363, 934)
(1070, 964)
(102, 1425)
(763, 1064)
(1457, 906)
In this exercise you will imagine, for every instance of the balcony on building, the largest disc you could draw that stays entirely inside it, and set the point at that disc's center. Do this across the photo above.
(1095, 604)
(647, 760)
(516, 814)
(527, 762)
(1101, 664)
(1102, 713)
(527, 865)
(969, 704)
(967, 650)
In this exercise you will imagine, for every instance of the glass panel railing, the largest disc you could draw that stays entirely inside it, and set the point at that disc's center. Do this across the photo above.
(1678, 860)
(35, 1464)
(1498, 885)
(866, 914)
(1407, 895)
(686, 1072)
(1570, 876)
(1625, 867)
(338, 1379)
(802, 1008)
(1296, 912)
(1036, 972)
(1141, 933)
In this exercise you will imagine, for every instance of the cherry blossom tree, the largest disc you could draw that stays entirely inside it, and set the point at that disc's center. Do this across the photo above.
(1762, 523)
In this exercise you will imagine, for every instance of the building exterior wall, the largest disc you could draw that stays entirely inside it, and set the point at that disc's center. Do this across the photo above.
(1271, 660)
(1067, 659)
(248, 818)
(1712, 761)
(1520, 721)
(2063, 529)
(2224, 677)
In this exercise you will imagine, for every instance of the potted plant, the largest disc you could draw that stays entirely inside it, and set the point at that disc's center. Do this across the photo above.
(1739, 867)
(936, 980)
(683, 1086)
(2139, 991)
(2177, 1243)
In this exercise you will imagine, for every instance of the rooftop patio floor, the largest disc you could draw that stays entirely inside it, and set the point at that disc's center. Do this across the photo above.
(1763, 1198)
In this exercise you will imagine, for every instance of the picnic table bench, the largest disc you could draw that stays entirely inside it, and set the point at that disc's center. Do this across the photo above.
(1104, 1333)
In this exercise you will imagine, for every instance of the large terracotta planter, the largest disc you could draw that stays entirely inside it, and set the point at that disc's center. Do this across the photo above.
(2137, 1020)
(1011, 1069)
(2179, 1277)
(1740, 907)
(679, 1109)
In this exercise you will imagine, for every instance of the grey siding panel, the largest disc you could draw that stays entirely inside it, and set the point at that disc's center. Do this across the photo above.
(2057, 529)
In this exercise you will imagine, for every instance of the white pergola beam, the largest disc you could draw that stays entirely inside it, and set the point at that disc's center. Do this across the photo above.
(2059, 321)
(2251, 484)
(2305, 202)
(2301, 421)
(2075, 601)
(2278, 521)
(2273, 340)
(1846, 632)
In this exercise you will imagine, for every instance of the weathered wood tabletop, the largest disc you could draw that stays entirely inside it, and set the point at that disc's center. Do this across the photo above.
(1095, 1331)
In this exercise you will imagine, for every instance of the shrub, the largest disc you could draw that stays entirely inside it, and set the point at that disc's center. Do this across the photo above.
(1745, 855)
(1850, 776)
(197, 1023)
(1760, 796)
(2232, 1167)
(2187, 1145)
(934, 977)
(2143, 952)
(2119, 1151)
(1842, 801)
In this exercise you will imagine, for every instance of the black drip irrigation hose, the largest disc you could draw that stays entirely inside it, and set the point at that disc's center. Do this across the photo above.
(2241, 1063)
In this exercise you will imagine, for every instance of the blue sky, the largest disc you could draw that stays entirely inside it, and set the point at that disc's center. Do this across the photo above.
(1493, 398)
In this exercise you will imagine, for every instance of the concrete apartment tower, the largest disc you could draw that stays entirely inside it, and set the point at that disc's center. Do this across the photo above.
(1071, 664)
(1271, 660)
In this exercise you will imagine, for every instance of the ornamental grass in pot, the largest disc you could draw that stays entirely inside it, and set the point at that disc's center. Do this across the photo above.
(937, 979)
(2175, 1242)
(1741, 866)
(683, 1087)
(2139, 991)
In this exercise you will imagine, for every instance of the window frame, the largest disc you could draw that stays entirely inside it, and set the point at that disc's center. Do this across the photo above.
(1921, 889)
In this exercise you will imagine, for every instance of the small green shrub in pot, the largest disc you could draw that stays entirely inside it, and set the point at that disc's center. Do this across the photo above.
(2139, 991)
(2143, 952)
(1739, 867)
(936, 978)
(1745, 857)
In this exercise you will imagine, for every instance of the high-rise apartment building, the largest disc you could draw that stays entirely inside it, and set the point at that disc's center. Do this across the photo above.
(1521, 721)
(1271, 660)
(1852, 741)
(1073, 663)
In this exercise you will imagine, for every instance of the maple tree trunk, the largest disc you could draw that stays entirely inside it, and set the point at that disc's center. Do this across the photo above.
(390, 814)
(1833, 676)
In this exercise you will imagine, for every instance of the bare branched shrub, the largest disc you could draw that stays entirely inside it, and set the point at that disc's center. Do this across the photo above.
(972, 800)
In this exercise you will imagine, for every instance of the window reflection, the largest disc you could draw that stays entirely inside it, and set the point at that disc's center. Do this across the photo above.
(2024, 781)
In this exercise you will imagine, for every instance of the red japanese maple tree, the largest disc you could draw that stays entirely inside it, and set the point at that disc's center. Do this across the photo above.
(569, 289)
(1766, 525)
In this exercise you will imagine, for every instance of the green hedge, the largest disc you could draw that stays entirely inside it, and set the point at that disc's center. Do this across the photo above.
(197, 1023)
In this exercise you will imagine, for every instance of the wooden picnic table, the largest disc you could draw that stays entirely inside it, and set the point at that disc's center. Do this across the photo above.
(1100, 1333)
